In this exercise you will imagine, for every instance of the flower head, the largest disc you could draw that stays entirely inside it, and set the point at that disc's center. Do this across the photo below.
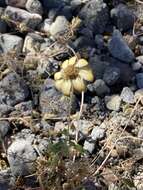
(73, 76)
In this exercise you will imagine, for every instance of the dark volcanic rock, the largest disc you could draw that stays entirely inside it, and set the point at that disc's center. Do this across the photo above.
(95, 15)
(119, 48)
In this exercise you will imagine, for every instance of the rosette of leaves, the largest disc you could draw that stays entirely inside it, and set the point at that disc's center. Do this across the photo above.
(73, 76)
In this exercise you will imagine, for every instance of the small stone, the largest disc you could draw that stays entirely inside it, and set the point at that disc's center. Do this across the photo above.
(111, 75)
(10, 43)
(140, 59)
(21, 157)
(119, 48)
(99, 87)
(60, 26)
(4, 128)
(31, 20)
(122, 17)
(139, 80)
(83, 126)
(127, 95)
(113, 102)
(34, 6)
(16, 3)
(89, 146)
(24, 108)
(32, 43)
(97, 133)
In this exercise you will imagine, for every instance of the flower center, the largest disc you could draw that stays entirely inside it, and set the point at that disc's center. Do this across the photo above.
(70, 72)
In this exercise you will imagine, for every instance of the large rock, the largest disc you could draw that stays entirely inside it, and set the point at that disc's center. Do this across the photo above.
(123, 17)
(119, 48)
(10, 43)
(53, 103)
(30, 19)
(13, 90)
(95, 15)
(21, 157)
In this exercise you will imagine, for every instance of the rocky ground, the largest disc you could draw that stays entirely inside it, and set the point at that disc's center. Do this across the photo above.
(39, 148)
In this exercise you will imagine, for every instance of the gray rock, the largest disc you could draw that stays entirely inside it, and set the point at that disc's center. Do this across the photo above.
(95, 15)
(21, 157)
(53, 103)
(99, 87)
(10, 42)
(83, 126)
(139, 79)
(127, 95)
(34, 6)
(12, 90)
(16, 3)
(47, 66)
(89, 146)
(123, 18)
(5, 109)
(119, 48)
(24, 108)
(140, 59)
(29, 19)
(97, 133)
(111, 75)
(59, 27)
(32, 43)
(4, 128)
(113, 102)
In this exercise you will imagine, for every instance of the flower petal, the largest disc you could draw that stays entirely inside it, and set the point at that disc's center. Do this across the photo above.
(65, 64)
(66, 87)
(59, 84)
(86, 74)
(58, 75)
(78, 84)
(72, 60)
(81, 63)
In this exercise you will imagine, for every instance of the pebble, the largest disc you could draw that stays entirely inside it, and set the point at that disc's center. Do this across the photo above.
(16, 3)
(99, 87)
(10, 43)
(21, 157)
(83, 126)
(97, 133)
(113, 102)
(119, 48)
(111, 75)
(89, 146)
(127, 95)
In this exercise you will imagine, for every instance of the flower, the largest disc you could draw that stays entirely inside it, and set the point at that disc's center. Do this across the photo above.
(73, 76)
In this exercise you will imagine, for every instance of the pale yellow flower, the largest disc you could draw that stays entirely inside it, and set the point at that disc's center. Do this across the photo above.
(73, 76)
